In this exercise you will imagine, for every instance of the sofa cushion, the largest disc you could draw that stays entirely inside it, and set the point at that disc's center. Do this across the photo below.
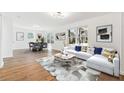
(83, 55)
(71, 47)
(77, 48)
(90, 50)
(100, 61)
(71, 51)
(97, 50)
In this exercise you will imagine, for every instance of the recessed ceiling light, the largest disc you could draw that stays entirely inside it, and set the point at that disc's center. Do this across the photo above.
(59, 14)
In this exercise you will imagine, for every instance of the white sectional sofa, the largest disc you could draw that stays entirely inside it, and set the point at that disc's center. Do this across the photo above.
(97, 61)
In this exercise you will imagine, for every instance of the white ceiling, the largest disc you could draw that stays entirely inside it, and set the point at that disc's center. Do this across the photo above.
(46, 21)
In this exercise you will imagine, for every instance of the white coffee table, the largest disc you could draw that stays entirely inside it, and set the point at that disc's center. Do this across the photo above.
(65, 59)
(64, 56)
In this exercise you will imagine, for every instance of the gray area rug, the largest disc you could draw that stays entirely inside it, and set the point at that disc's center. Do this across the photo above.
(77, 72)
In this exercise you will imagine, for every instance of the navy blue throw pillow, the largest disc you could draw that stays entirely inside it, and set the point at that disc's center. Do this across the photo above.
(77, 48)
(97, 50)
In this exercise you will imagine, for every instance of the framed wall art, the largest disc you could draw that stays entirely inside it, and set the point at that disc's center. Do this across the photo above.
(83, 34)
(104, 33)
(72, 35)
(60, 36)
(19, 36)
(30, 35)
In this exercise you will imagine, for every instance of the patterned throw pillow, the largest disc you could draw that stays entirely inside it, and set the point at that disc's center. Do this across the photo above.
(110, 54)
(90, 50)
(84, 48)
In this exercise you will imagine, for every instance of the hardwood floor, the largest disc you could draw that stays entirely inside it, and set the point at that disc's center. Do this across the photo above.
(122, 77)
(106, 77)
(23, 67)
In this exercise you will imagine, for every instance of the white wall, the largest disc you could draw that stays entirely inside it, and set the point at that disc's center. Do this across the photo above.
(122, 47)
(7, 36)
(1, 60)
(24, 44)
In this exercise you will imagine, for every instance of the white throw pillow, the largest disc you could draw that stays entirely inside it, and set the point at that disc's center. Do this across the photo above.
(72, 47)
(90, 50)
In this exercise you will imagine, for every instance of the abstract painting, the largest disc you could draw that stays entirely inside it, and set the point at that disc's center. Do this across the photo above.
(60, 36)
(19, 36)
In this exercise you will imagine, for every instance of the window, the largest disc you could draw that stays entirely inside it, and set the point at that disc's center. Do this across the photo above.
(72, 35)
(83, 34)
(50, 38)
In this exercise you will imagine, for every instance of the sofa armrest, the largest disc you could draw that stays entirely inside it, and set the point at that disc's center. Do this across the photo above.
(116, 64)
(65, 48)
(69, 47)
